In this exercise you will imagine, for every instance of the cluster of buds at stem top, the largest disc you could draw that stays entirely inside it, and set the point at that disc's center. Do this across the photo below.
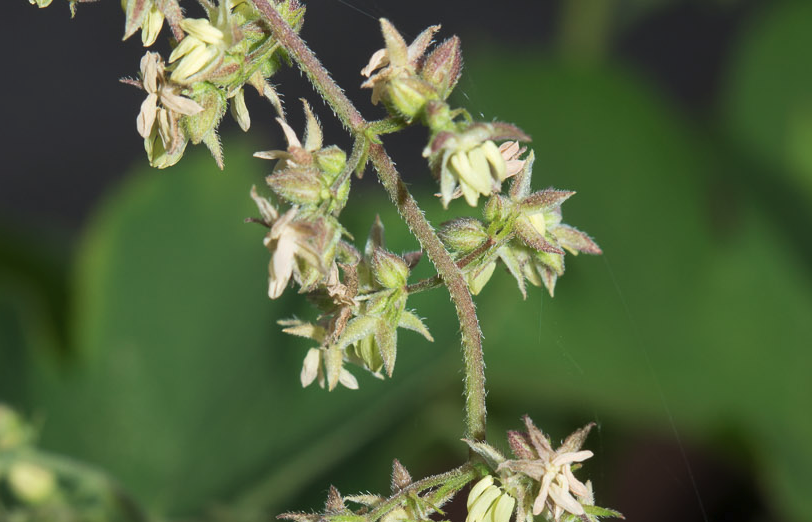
(360, 316)
(539, 478)
(212, 61)
(405, 79)
(523, 230)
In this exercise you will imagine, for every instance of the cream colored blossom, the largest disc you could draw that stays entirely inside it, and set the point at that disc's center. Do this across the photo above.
(287, 240)
(40, 3)
(204, 45)
(552, 469)
(164, 104)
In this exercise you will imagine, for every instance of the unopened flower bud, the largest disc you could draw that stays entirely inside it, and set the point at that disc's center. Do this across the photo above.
(298, 186)
(496, 209)
(388, 269)
(331, 160)
(153, 22)
(206, 121)
(463, 234)
(407, 96)
(40, 3)
(443, 67)
(31, 483)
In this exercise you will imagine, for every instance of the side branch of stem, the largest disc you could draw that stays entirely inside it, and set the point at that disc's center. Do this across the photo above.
(446, 268)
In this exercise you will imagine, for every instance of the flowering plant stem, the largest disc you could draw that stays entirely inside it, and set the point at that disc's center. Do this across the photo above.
(475, 412)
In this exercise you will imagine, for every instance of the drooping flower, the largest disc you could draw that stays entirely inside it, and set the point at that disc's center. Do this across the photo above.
(469, 159)
(160, 112)
(299, 246)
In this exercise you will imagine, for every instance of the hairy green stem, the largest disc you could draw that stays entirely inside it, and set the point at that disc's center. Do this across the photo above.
(475, 412)
(452, 277)
(460, 476)
(311, 66)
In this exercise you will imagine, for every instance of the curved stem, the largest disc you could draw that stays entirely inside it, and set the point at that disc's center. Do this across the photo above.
(452, 277)
(311, 66)
(475, 412)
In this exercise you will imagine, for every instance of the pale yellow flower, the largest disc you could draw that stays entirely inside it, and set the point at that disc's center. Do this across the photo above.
(164, 103)
(551, 468)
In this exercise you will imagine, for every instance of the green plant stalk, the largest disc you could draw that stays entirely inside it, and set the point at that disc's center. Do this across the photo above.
(475, 411)
(459, 476)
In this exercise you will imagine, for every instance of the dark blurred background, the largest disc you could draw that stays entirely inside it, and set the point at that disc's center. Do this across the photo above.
(135, 329)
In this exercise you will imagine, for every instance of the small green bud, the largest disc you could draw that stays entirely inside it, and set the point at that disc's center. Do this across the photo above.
(206, 121)
(406, 97)
(40, 3)
(31, 483)
(497, 209)
(463, 234)
(331, 160)
(298, 186)
(389, 270)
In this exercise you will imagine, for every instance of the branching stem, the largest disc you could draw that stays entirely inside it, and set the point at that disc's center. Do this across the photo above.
(409, 210)
(459, 476)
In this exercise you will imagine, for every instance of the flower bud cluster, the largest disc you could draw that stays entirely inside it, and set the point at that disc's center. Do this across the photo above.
(213, 59)
(361, 314)
(405, 79)
(523, 230)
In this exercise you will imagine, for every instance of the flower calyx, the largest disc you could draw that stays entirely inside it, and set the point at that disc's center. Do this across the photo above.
(304, 174)
(404, 79)
(302, 246)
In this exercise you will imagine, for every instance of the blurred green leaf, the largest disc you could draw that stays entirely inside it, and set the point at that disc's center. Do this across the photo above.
(712, 317)
(768, 94)
(186, 389)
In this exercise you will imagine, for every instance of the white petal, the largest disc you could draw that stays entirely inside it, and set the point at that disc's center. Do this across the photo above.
(310, 367)
(495, 159)
(281, 266)
(572, 456)
(565, 500)
(379, 59)
(180, 104)
(293, 141)
(348, 379)
(146, 118)
(266, 209)
(187, 45)
(202, 29)
(503, 508)
(538, 505)
(477, 490)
